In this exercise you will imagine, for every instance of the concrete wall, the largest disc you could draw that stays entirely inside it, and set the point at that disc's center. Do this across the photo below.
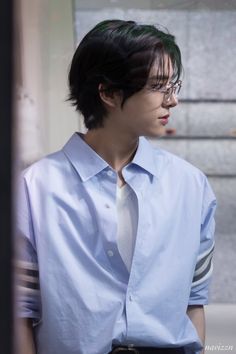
(57, 48)
(45, 45)
(205, 121)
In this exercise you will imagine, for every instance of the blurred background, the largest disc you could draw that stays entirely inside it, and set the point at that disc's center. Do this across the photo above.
(202, 128)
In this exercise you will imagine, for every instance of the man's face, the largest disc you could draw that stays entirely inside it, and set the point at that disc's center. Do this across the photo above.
(146, 112)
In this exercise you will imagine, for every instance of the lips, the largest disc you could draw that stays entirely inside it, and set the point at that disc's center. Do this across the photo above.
(164, 119)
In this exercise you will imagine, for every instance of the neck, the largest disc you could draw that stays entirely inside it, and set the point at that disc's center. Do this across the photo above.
(115, 148)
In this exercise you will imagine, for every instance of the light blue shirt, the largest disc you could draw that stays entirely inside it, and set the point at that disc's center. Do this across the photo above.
(67, 227)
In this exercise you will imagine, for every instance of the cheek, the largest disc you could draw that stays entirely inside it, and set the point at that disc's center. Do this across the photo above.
(143, 105)
(155, 101)
(152, 101)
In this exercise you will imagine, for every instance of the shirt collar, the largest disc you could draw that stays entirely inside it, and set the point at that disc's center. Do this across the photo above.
(148, 158)
(84, 159)
(88, 163)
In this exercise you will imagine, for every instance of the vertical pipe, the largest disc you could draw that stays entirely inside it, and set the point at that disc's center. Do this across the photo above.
(6, 120)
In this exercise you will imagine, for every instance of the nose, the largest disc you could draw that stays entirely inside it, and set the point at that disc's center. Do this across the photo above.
(171, 102)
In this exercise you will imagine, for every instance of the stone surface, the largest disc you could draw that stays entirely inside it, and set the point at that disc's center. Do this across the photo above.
(204, 119)
(220, 328)
(218, 5)
(206, 46)
(223, 287)
(225, 191)
(210, 66)
(217, 157)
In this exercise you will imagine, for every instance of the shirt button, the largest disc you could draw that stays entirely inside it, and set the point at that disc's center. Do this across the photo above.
(107, 206)
(130, 298)
(110, 253)
(110, 173)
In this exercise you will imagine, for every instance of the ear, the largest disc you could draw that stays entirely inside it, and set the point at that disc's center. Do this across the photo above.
(110, 98)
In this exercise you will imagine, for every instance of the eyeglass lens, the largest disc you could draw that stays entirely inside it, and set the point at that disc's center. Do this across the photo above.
(173, 90)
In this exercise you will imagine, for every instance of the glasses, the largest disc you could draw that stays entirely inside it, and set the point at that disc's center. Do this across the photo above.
(171, 89)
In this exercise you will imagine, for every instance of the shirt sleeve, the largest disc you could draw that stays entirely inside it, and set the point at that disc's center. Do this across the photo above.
(26, 263)
(204, 266)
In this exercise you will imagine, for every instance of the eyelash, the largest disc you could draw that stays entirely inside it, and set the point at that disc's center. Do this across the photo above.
(158, 88)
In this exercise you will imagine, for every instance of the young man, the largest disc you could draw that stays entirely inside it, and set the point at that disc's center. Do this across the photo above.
(117, 237)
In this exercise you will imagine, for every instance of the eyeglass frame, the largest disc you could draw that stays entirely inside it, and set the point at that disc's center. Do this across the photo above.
(173, 89)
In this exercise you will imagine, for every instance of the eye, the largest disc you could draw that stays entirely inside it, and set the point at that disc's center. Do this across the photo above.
(155, 87)
(158, 87)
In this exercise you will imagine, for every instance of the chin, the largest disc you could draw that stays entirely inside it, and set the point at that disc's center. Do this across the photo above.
(161, 131)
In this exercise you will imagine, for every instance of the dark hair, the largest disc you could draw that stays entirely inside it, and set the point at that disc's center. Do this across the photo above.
(119, 54)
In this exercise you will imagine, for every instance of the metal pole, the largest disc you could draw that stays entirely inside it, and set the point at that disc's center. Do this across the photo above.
(6, 113)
